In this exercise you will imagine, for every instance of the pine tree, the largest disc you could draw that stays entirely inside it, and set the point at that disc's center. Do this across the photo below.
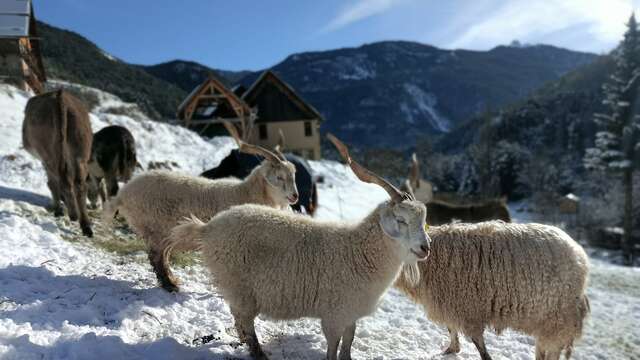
(617, 143)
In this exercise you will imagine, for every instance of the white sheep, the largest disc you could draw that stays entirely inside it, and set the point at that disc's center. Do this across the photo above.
(154, 202)
(527, 277)
(287, 266)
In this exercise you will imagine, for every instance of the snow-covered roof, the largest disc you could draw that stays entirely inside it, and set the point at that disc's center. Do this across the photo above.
(15, 7)
(573, 197)
(14, 18)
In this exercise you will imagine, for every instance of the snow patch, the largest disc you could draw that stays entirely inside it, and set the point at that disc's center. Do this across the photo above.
(66, 299)
(423, 105)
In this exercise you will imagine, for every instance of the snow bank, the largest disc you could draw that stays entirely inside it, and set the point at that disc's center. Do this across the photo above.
(158, 142)
(61, 298)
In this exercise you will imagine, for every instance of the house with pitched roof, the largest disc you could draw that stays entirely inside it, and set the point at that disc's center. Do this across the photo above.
(268, 113)
(20, 56)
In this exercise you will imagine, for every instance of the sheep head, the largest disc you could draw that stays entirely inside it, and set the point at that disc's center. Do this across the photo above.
(275, 169)
(403, 218)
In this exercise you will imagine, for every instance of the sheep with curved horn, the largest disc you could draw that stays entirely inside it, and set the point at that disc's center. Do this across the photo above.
(154, 202)
(286, 266)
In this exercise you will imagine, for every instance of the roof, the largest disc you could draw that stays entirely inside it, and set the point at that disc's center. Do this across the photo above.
(277, 101)
(14, 18)
(572, 197)
(212, 81)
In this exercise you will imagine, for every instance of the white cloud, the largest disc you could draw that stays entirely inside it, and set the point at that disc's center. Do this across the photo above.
(361, 9)
(601, 22)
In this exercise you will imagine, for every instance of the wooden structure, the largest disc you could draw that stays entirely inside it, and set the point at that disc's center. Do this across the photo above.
(569, 204)
(281, 110)
(209, 104)
(269, 108)
(20, 56)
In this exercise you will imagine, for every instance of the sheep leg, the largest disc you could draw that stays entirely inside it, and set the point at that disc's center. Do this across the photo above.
(347, 340)
(247, 334)
(454, 343)
(332, 333)
(478, 341)
(159, 262)
(102, 192)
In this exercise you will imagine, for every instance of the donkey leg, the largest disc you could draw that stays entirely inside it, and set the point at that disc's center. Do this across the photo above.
(54, 187)
(80, 192)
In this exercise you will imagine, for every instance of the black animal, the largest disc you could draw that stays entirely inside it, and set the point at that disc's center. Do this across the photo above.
(239, 165)
(113, 158)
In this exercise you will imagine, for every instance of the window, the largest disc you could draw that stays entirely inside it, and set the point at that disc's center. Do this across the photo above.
(308, 131)
(263, 131)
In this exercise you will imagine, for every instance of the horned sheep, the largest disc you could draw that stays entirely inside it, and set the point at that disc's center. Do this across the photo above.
(287, 266)
(154, 202)
(527, 277)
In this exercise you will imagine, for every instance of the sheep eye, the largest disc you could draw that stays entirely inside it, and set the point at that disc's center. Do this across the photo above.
(401, 221)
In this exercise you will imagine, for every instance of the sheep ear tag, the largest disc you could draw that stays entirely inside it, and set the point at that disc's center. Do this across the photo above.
(389, 224)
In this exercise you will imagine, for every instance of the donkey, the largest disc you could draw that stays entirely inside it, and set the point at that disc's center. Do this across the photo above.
(113, 158)
(440, 212)
(56, 129)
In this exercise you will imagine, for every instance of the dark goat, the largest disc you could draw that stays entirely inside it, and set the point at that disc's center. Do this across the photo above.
(440, 212)
(113, 158)
(57, 130)
(239, 165)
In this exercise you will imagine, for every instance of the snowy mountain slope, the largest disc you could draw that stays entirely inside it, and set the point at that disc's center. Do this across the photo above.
(62, 298)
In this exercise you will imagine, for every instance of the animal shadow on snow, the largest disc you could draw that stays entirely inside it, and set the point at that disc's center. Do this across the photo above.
(24, 196)
(91, 346)
(37, 296)
(285, 346)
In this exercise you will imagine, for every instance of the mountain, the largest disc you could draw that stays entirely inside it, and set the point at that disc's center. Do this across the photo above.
(566, 103)
(391, 93)
(71, 57)
(188, 74)
(385, 94)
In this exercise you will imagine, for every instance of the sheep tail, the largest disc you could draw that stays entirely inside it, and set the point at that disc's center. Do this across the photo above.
(188, 231)
(584, 309)
(110, 209)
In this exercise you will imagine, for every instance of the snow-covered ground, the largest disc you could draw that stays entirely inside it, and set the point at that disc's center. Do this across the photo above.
(62, 298)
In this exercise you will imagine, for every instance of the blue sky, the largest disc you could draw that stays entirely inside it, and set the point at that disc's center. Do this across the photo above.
(244, 34)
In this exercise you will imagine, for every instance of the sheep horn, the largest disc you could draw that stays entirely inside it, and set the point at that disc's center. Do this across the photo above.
(414, 174)
(366, 175)
(278, 152)
(232, 131)
(248, 148)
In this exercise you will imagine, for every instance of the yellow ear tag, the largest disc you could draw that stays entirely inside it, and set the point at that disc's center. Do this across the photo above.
(426, 227)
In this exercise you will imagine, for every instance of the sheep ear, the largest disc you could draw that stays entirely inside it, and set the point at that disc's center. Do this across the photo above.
(389, 224)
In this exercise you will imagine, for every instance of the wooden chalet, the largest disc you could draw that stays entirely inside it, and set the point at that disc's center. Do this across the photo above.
(281, 109)
(209, 104)
(20, 56)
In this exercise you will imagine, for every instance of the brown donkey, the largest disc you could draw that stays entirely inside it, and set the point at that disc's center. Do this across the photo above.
(57, 130)
(440, 212)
